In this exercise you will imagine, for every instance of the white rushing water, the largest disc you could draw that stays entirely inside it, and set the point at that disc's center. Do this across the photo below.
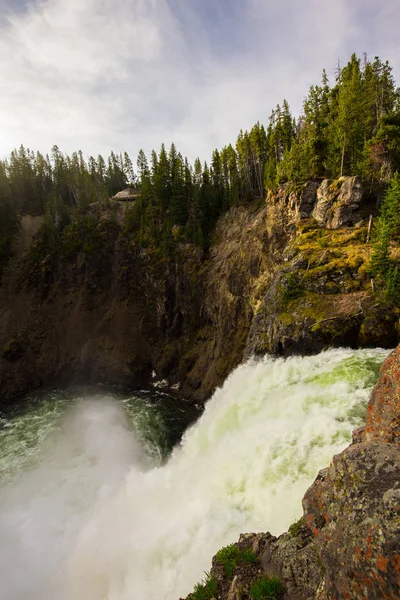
(92, 514)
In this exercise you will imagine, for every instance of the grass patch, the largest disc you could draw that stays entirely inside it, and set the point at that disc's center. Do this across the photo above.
(267, 588)
(206, 589)
(231, 556)
(295, 527)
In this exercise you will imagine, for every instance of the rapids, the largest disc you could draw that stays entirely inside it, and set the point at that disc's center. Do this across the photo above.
(91, 508)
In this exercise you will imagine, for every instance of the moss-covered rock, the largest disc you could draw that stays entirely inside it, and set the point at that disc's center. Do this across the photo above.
(321, 296)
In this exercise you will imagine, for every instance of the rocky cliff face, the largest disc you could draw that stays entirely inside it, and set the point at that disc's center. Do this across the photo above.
(320, 291)
(285, 276)
(347, 545)
(115, 312)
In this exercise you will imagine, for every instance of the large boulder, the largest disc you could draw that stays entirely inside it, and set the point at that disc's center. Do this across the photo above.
(339, 203)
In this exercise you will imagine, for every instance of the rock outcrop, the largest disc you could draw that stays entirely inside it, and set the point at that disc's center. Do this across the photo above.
(339, 203)
(332, 204)
(347, 544)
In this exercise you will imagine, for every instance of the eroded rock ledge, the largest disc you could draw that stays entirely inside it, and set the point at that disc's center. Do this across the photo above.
(347, 545)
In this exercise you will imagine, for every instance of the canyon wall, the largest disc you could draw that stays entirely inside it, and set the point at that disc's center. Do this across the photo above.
(284, 275)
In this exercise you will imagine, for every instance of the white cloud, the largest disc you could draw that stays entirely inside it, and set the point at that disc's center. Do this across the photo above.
(97, 75)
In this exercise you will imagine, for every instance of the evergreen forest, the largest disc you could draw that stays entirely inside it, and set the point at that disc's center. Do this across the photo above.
(348, 126)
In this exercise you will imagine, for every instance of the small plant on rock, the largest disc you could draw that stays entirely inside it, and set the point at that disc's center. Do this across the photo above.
(292, 288)
(295, 527)
(230, 556)
(206, 589)
(267, 588)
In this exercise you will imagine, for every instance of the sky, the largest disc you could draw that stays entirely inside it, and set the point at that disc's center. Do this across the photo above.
(102, 75)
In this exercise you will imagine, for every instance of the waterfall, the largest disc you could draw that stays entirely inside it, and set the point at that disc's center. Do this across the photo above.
(94, 515)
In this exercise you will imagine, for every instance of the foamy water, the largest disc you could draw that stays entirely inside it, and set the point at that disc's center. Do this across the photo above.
(96, 516)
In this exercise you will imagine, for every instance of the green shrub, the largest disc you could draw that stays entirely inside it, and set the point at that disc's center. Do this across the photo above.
(380, 261)
(388, 230)
(293, 288)
(267, 588)
(231, 556)
(206, 589)
(392, 285)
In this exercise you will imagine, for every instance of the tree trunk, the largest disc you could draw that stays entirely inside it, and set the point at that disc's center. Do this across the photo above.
(342, 164)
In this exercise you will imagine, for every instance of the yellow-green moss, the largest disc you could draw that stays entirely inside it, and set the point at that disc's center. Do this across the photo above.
(327, 252)
(306, 225)
(314, 306)
(335, 186)
(286, 318)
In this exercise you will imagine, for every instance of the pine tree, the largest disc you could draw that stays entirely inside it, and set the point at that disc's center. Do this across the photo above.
(8, 217)
(128, 170)
(389, 221)
(143, 166)
(258, 144)
(217, 196)
(388, 229)
(162, 179)
(392, 285)
(179, 205)
(380, 262)
(245, 166)
(101, 168)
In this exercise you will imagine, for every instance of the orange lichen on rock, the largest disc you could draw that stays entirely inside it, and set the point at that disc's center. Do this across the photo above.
(383, 415)
(355, 506)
